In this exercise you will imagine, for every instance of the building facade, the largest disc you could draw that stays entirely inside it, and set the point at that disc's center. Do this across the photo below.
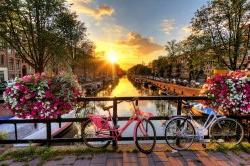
(12, 66)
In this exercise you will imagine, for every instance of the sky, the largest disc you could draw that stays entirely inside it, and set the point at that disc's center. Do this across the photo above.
(135, 31)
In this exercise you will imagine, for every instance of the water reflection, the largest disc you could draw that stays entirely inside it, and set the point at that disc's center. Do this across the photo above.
(126, 88)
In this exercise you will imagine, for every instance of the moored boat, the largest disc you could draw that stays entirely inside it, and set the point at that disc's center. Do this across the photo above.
(199, 109)
(153, 87)
(146, 85)
(163, 92)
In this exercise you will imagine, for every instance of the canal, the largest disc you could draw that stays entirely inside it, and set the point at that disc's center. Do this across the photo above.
(124, 87)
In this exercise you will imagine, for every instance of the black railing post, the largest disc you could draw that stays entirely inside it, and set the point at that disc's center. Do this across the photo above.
(136, 102)
(60, 123)
(115, 118)
(179, 107)
(178, 113)
(48, 125)
(15, 131)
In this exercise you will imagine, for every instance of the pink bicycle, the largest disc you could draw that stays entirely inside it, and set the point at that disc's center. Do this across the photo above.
(98, 126)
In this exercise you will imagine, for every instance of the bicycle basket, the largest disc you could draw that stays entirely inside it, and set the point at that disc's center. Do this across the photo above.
(99, 122)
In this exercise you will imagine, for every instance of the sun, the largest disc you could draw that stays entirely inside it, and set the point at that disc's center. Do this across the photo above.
(112, 57)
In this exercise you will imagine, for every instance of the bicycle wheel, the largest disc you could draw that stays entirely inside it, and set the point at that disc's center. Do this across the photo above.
(88, 132)
(145, 136)
(226, 131)
(179, 133)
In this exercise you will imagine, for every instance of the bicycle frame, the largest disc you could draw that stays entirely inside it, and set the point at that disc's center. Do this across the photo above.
(208, 123)
(138, 116)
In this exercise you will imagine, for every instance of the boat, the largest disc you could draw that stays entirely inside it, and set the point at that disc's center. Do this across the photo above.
(153, 87)
(146, 85)
(34, 131)
(163, 92)
(199, 109)
(6, 117)
(56, 129)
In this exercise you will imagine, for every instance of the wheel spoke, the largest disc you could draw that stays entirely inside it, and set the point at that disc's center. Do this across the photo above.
(89, 131)
(225, 131)
(179, 133)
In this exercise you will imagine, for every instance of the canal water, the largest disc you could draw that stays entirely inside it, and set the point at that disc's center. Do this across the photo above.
(124, 87)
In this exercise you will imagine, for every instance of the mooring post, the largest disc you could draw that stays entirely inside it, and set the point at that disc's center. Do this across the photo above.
(115, 118)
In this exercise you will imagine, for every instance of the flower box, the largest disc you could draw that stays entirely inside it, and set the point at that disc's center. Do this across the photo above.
(230, 93)
(40, 96)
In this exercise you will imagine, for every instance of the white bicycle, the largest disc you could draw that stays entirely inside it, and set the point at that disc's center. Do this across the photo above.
(181, 132)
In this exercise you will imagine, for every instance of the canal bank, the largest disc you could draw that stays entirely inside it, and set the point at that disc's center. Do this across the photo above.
(170, 87)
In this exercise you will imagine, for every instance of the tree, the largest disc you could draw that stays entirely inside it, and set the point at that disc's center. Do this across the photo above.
(161, 65)
(196, 55)
(139, 70)
(28, 27)
(87, 53)
(226, 24)
(173, 48)
(73, 32)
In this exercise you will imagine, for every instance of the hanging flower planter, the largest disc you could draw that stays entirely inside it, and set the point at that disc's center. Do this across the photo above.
(229, 93)
(40, 96)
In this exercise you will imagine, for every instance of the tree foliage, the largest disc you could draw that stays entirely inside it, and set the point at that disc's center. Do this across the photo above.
(28, 27)
(226, 24)
(139, 70)
(173, 49)
(196, 55)
(73, 32)
(42, 32)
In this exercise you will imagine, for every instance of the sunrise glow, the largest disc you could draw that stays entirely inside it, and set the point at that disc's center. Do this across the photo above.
(112, 57)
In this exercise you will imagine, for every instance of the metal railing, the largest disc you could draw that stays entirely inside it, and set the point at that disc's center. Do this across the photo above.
(48, 140)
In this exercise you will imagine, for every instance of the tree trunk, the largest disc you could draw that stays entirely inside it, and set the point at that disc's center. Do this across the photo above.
(72, 68)
(39, 68)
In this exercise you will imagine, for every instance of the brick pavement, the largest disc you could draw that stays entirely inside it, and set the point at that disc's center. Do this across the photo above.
(157, 158)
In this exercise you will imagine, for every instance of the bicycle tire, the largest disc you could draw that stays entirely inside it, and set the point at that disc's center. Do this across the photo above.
(137, 143)
(225, 127)
(176, 145)
(85, 137)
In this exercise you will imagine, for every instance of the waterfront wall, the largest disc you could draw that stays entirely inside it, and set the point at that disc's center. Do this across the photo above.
(173, 88)
(180, 90)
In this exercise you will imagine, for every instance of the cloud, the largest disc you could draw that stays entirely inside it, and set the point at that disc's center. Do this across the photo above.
(113, 29)
(84, 7)
(143, 45)
(186, 29)
(168, 25)
(184, 32)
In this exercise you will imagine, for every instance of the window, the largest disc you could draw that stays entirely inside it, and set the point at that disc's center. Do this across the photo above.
(12, 76)
(18, 64)
(1, 76)
(11, 64)
(2, 59)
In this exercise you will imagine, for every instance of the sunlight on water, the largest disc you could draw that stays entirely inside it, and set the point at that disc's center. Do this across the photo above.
(125, 88)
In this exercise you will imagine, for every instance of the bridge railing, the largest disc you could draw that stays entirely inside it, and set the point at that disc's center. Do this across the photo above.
(49, 139)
